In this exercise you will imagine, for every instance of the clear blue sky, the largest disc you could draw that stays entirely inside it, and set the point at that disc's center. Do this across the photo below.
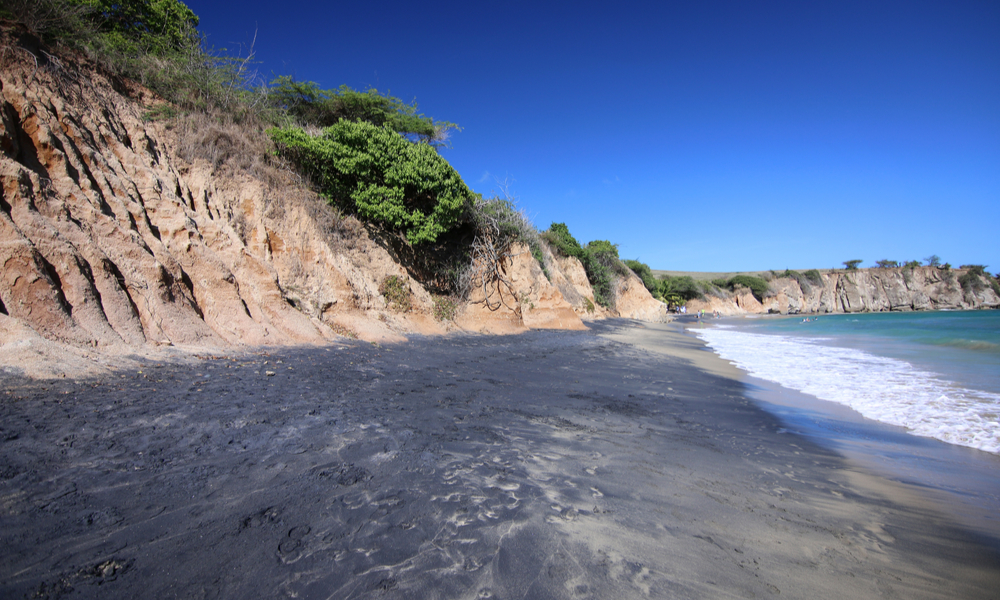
(702, 136)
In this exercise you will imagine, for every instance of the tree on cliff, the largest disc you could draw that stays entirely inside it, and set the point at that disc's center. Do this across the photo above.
(306, 102)
(134, 27)
(381, 176)
(933, 260)
(852, 265)
(155, 27)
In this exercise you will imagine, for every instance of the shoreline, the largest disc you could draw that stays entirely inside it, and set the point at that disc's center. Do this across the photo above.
(961, 480)
(556, 464)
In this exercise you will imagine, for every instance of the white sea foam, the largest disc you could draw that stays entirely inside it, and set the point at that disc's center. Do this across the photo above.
(880, 388)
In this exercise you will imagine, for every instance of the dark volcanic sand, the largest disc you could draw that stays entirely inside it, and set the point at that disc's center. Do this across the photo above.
(545, 465)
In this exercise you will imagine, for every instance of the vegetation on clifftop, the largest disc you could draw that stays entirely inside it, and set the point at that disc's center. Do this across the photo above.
(599, 258)
(381, 175)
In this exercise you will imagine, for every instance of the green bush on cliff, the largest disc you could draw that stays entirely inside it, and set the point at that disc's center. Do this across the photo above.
(644, 273)
(600, 261)
(814, 276)
(381, 175)
(599, 258)
(133, 27)
(757, 286)
(51, 20)
(156, 27)
(305, 102)
(978, 270)
(804, 282)
(974, 278)
(676, 290)
(562, 241)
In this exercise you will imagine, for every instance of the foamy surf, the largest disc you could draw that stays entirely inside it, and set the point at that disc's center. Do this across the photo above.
(884, 389)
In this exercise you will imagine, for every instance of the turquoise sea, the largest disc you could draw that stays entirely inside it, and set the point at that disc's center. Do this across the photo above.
(914, 396)
(936, 374)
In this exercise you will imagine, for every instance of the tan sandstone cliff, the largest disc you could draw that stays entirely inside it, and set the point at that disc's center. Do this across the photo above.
(118, 233)
(862, 290)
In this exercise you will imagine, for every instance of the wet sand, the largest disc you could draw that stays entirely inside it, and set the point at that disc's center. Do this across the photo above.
(545, 465)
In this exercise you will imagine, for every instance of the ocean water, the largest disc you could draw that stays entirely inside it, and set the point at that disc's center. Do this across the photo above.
(936, 374)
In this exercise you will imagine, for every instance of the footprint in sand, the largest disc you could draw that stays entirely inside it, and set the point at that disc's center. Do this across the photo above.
(290, 549)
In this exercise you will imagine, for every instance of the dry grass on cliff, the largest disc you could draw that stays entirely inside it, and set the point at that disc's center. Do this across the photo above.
(233, 148)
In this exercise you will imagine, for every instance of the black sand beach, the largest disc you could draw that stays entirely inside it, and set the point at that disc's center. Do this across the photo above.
(545, 465)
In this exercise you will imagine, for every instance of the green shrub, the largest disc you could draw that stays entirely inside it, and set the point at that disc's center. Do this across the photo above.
(805, 280)
(161, 112)
(156, 27)
(396, 292)
(757, 285)
(499, 218)
(644, 273)
(974, 278)
(562, 241)
(51, 20)
(852, 265)
(799, 278)
(601, 280)
(384, 177)
(599, 259)
(677, 290)
(445, 308)
(310, 105)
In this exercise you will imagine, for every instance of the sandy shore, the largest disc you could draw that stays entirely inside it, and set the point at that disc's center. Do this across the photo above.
(623, 462)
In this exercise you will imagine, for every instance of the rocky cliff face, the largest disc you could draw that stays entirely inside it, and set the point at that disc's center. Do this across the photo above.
(119, 232)
(109, 238)
(864, 290)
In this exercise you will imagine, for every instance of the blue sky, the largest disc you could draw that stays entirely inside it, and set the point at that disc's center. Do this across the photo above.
(701, 136)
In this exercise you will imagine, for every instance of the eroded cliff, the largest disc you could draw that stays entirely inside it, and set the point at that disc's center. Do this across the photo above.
(119, 232)
(864, 290)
